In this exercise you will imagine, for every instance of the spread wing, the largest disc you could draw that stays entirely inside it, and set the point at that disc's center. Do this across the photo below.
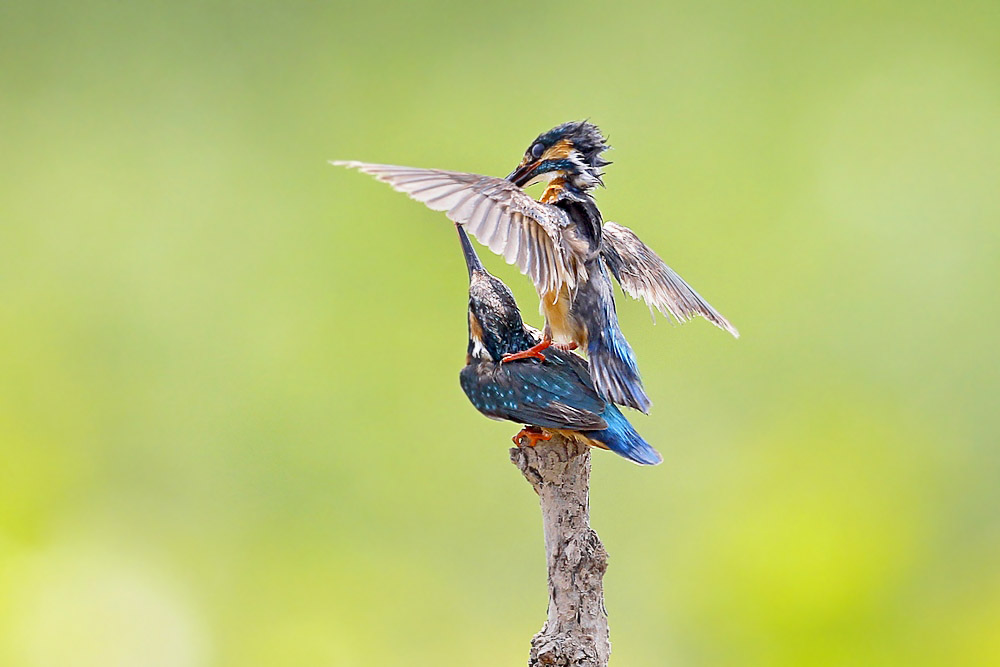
(643, 275)
(498, 213)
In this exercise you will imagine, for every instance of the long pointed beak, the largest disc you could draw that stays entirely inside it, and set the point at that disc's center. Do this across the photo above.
(522, 174)
(471, 258)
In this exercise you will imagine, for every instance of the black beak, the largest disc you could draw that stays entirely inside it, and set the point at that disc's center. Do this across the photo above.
(523, 174)
(471, 258)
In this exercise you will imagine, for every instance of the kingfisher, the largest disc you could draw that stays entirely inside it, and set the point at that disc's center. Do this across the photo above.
(550, 395)
(563, 244)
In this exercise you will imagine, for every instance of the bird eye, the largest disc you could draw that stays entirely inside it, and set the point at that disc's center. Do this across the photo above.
(537, 150)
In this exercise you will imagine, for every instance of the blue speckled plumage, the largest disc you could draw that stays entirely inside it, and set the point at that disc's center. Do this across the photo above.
(557, 393)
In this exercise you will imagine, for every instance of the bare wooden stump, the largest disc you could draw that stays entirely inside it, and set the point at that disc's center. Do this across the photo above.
(576, 632)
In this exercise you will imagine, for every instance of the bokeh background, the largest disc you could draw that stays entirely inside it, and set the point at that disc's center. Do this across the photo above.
(231, 431)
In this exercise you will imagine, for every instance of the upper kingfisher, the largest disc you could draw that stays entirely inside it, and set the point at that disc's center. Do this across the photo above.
(552, 395)
(562, 243)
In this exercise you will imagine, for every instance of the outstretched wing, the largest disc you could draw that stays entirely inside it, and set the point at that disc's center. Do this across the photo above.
(498, 213)
(643, 275)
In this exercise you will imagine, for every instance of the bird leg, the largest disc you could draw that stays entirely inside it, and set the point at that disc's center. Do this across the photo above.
(533, 434)
(534, 352)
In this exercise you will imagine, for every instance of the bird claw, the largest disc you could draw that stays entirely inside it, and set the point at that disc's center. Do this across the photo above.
(533, 434)
(531, 353)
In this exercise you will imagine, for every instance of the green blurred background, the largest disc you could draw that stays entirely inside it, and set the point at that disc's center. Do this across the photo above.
(231, 431)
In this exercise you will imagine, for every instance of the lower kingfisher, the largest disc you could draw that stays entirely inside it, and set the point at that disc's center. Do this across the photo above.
(550, 395)
(563, 244)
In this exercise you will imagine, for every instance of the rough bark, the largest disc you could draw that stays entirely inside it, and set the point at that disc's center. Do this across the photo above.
(576, 631)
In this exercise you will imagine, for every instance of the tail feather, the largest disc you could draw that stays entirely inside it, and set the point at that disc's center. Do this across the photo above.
(614, 370)
(612, 363)
(621, 438)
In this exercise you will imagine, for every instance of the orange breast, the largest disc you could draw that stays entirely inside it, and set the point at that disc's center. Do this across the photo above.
(551, 193)
(555, 306)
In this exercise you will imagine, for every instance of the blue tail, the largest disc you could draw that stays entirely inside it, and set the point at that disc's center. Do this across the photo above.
(612, 363)
(614, 370)
(622, 439)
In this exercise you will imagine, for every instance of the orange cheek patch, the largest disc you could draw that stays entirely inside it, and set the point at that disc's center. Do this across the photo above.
(560, 149)
(475, 329)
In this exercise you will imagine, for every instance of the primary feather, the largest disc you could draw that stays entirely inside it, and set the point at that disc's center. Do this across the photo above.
(498, 213)
(643, 275)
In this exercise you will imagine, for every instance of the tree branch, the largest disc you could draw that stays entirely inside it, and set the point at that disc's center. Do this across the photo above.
(576, 632)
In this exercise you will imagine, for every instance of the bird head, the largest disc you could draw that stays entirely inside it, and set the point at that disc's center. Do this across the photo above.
(571, 151)
(495, 324)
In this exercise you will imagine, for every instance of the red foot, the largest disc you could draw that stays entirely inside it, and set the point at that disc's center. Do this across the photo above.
(531, 353)
(533, 434)
(565, 347)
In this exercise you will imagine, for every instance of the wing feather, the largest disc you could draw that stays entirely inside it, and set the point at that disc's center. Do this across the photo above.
(498, 213)
(477, 215)
(554, 270)
(466, 206)
(449, 198)
(523, 252)
(502, 236)
(491, 225)
(510, 253)
(643, 275)
(535, 256)
(540, 394)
